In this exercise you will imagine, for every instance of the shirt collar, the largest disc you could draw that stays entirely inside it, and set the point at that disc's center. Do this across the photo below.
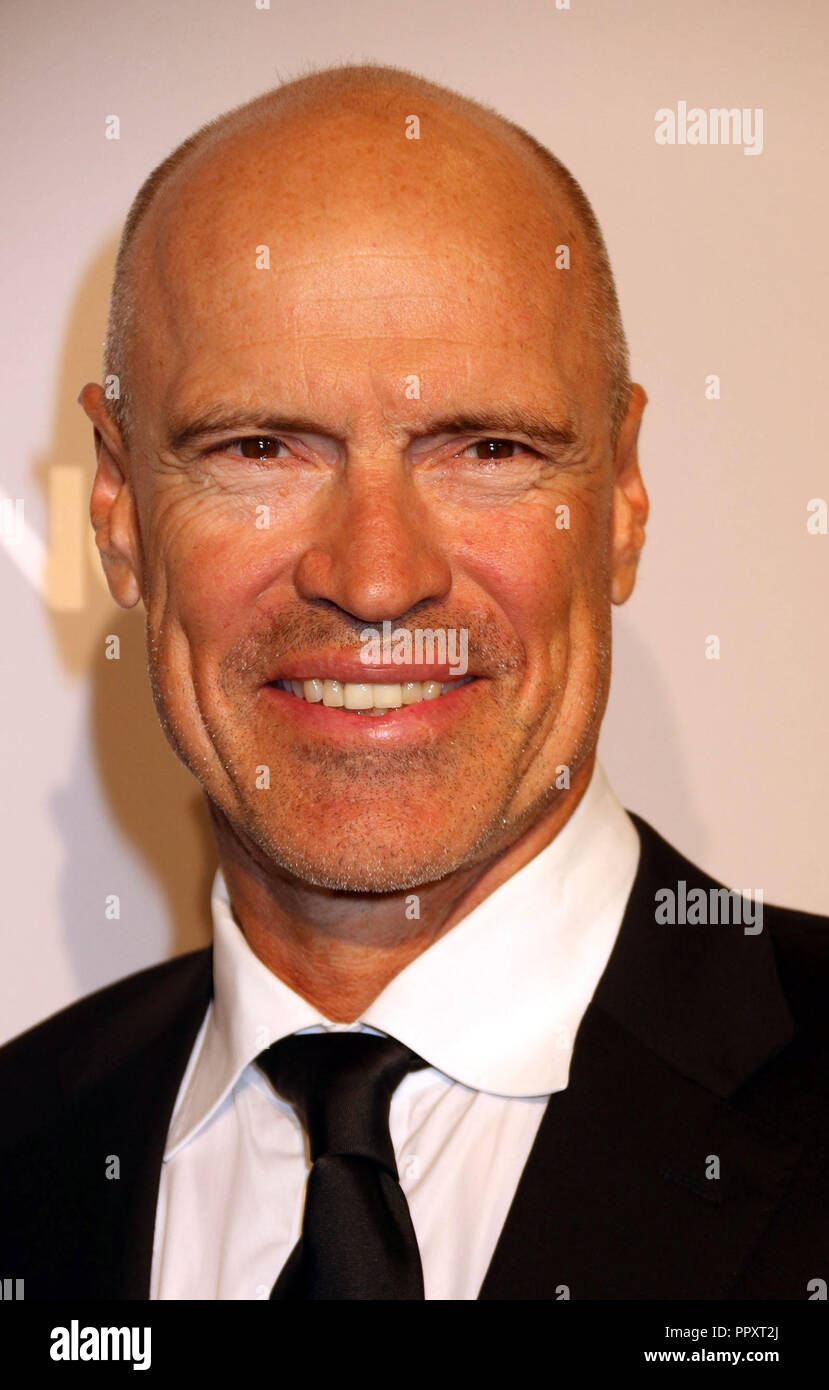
(494, 1004)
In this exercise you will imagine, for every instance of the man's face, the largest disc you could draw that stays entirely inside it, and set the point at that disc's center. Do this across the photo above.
(406, 290)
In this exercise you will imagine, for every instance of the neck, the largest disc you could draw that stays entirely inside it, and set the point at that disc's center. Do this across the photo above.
(339, 950)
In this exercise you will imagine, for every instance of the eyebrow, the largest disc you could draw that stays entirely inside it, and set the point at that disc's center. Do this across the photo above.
(505, 421)
(510, 420)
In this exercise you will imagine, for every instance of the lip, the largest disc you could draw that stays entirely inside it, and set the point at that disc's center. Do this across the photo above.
(427, 719)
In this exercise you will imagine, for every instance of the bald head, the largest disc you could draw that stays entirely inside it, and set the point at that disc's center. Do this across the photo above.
(348, 120)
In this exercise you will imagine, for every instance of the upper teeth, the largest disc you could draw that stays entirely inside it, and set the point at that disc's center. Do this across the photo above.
(367, 697)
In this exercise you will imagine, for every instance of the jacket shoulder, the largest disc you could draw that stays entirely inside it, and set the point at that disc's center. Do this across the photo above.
(800, 940)
(122, 1017)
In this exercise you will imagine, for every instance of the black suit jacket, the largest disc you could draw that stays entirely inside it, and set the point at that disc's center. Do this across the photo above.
(700, 1043)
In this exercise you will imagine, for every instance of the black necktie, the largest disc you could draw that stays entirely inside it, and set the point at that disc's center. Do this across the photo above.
(357, 1236)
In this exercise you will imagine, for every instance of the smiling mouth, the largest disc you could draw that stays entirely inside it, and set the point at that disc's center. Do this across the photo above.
(367, 697)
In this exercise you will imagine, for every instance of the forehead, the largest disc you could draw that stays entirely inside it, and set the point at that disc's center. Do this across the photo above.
(341, 252)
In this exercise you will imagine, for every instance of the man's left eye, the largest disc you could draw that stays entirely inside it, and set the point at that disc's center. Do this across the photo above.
(494, 449)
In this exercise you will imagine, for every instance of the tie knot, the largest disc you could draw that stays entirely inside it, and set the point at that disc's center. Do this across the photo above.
(341, 1085)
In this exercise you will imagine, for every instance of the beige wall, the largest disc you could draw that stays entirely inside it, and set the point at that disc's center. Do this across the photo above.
(720, 262)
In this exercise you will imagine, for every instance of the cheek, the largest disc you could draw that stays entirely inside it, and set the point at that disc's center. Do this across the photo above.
(211, 568)
(530, 568)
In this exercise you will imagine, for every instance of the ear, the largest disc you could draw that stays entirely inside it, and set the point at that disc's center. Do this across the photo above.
(630, 502)
(112, 508)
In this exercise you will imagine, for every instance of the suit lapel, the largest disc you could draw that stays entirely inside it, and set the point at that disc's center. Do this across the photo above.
(614, 1201)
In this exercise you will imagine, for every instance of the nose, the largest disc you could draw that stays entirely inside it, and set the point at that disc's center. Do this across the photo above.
(376, 552)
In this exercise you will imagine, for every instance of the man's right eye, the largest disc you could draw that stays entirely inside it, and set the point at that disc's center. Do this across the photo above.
(254, 446)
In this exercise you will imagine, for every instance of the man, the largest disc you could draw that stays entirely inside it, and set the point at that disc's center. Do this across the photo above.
(459, 1035)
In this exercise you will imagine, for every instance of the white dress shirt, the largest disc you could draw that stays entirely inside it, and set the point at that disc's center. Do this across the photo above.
(493, 1007)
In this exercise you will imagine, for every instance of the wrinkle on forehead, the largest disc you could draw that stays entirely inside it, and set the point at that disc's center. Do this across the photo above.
(457, 298)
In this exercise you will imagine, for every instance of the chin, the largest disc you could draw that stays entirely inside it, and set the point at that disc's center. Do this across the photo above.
(365, 861)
